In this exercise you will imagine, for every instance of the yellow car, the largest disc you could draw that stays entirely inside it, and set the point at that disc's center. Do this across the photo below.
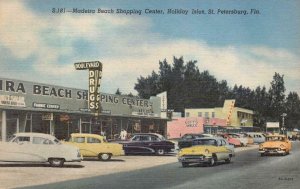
(275, 144)
(208, 150)
(92, 145)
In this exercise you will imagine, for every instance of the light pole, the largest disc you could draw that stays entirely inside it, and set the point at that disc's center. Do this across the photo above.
(282, 127)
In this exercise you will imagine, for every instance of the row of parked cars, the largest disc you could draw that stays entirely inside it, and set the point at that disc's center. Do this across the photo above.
(235, 139)
(193, 148)
(38, 147)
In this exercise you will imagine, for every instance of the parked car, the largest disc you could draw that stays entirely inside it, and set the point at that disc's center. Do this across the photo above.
(148, 143)
(250, 139)
(275, 144)
(92, 145)
(208, 150)
(38, 147)
(258, 137)
(243, 139)
(233, 141)
(187, 139)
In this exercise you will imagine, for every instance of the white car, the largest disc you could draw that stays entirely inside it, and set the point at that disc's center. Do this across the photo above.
(38, 147)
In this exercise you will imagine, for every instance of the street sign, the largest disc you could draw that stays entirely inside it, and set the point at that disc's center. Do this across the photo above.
(88, 65)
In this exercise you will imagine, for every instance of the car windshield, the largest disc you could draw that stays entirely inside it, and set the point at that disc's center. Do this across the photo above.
(205, 142)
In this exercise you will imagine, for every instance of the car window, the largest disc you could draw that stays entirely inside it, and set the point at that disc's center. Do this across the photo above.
(79, 139)
(136, 138)
(22, 139)
(224, 143)
(38, 140)
(219, 143)
(205, 142)
(188, 136)
(93, 140)
(153, 138)
(145, 138)
(47, 141)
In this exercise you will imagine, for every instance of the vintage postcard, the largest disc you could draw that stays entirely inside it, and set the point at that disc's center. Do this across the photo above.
(150, 94)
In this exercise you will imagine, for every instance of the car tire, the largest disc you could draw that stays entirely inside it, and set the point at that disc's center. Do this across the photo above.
(184, 164)
(104, 156)
(262, 154)
(212, 161)
(56, 162)
(228, 160)
(160, 152)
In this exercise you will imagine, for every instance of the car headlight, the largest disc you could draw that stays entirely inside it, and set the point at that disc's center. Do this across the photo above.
(206, 151)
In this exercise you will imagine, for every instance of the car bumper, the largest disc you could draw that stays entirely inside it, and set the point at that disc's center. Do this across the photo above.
(194, 159)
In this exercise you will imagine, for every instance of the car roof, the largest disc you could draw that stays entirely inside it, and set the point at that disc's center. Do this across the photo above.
(35, 135)
(85, 134)
(205, 138)
(276, 135)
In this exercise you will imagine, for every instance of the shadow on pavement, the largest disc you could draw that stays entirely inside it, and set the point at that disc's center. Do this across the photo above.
(37, 165)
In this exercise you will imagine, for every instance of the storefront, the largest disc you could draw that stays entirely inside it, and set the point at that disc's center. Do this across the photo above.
(34, 107)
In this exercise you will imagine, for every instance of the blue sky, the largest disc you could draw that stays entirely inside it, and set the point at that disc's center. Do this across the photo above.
(37, 45)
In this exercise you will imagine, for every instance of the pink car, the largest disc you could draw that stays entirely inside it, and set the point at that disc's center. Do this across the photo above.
(233, 141)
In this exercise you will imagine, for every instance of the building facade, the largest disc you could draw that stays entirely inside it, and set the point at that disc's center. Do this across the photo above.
(35, 107)
(235, 117)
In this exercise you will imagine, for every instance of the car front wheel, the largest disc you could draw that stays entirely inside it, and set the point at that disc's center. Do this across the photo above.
(212, 161)
(56, 162)
(228, 160)
(184, 164)
(104, 156)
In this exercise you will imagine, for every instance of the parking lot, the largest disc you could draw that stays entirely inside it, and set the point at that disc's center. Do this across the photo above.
(20, 174)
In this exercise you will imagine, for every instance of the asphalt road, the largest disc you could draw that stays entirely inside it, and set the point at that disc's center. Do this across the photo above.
(248, 170)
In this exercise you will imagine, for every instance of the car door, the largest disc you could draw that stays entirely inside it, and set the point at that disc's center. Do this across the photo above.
(43, 148)
(21, 149)
(223, 151)
(79, 141)
(94, 146)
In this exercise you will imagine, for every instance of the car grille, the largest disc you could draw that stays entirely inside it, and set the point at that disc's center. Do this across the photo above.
(271, 149)
(193, 156)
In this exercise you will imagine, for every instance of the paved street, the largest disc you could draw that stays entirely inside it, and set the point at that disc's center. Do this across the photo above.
(248, 170)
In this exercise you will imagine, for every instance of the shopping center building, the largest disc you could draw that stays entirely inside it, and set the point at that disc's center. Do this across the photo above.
(35, 107)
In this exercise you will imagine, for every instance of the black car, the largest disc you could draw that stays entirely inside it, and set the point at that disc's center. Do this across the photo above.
(187, 140)
(148, 143)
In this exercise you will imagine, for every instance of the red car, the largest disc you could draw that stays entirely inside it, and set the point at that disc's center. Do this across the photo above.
(231, 140)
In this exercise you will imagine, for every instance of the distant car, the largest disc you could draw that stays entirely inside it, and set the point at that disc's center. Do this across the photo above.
(38, 147)
(187, 139)
(250, 139)
(208, 150)
(257, 137)
(233, 141)
(92, 145)
(275, 144)
(243, 139)
(148, 143)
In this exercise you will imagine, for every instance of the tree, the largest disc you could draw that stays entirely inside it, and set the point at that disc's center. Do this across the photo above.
(276, 97)
(118, 92)
(292, 108)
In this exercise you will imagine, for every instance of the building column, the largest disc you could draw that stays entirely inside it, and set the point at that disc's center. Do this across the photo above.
(3, 125)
